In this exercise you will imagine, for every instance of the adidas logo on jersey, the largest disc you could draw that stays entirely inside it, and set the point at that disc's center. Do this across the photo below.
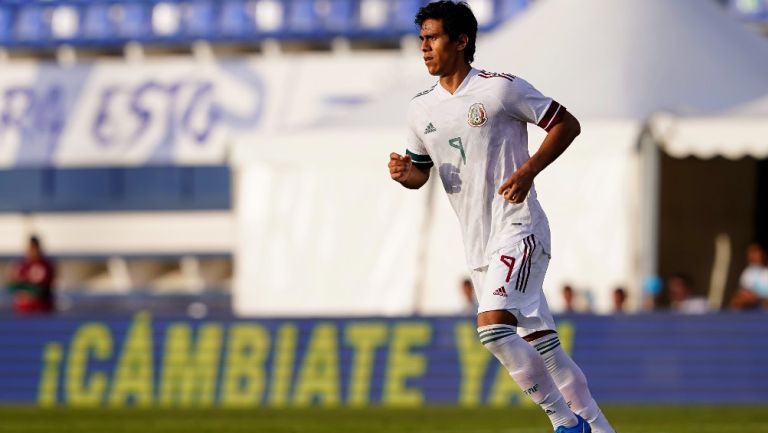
(430, 128)
(500, 292)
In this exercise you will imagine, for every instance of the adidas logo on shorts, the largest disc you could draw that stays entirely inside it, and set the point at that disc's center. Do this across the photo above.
(500, 292)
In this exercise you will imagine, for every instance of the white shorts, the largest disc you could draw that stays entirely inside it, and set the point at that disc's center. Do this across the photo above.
(513, 281)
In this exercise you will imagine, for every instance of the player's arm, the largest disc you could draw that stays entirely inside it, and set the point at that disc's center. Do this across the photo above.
(559, 137)
(403, 170)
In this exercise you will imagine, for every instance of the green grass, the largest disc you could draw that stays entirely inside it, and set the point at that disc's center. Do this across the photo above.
(643, 419)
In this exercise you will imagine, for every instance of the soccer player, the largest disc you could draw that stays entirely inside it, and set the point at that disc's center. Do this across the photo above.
(472, 125)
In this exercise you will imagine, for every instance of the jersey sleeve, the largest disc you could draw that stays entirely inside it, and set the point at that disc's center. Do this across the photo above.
(523, 102)
(414, 145)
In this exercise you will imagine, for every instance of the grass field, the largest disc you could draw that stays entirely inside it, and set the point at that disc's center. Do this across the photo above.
(670, 419)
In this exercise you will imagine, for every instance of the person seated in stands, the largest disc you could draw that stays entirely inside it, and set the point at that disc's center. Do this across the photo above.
(753, 284)
(468, 293)
(568, 299)
(682, 296)
(619, 300)
(31, 281)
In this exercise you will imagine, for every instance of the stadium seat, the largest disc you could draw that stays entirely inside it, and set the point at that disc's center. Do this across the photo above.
(135, 22)
(32, 25)
(95, 22)
(166, 19)
(64, 22)
(373, 15)
(6, 23)
(403, 13)
(302, 18)
(234, 18)
(200, 21)
(269, 17)
(341, 15)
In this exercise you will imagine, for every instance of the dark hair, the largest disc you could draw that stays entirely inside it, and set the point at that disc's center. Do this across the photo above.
(684, 278)
(34, 241)
(457, 19)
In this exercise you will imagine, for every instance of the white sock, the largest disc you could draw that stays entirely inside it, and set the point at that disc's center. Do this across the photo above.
(527, 369)
(571, 382)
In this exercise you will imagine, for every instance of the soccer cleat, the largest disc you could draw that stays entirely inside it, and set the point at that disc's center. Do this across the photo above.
(581, 427)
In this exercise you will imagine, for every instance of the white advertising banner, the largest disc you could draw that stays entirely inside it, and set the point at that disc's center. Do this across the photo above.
(171, 110)
(117, 114)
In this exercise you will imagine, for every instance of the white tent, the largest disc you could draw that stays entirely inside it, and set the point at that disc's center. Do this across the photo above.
(625, 59)
(733, 133)
(611, 62)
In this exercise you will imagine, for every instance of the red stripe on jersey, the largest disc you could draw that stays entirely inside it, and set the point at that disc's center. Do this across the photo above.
(521, 270)
(552, 117)
(486, 74)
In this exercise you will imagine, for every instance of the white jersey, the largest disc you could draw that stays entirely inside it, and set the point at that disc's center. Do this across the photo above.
(477, 137)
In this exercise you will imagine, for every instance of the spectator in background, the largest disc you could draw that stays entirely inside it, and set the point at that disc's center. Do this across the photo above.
(753, 284)
(568, 299)
(619, 300)
(652, 287)
(31, 281)
(577, 301)
(682, 298)
(468, 292)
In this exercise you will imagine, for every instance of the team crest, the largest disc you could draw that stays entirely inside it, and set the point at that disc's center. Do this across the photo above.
(477, 115)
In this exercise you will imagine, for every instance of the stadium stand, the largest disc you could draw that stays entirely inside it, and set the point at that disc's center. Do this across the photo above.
(42, 24)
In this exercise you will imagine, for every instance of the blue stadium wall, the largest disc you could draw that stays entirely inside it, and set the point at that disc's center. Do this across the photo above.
(148, 361)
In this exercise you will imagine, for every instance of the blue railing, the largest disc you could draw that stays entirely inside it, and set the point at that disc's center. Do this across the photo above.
(115, 189)
(42, 24)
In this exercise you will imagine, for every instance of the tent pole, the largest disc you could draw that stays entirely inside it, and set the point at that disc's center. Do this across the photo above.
(649, 212)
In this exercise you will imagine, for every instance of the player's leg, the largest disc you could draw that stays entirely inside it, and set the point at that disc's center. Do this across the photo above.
(502, 289)
(571, 382)
(568, 377)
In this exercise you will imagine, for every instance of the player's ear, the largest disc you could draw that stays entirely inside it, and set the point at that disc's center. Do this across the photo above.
(462, 41)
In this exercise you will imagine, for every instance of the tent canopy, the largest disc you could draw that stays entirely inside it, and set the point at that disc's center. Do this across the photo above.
(735, 133)
(628, 58)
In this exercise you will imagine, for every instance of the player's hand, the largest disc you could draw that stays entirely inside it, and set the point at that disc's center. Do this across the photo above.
(515, 189)
(399, 167)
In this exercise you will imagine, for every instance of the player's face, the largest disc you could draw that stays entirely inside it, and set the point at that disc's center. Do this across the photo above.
(441, 55)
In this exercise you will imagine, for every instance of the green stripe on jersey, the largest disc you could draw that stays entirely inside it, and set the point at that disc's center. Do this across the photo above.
(420, 160)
